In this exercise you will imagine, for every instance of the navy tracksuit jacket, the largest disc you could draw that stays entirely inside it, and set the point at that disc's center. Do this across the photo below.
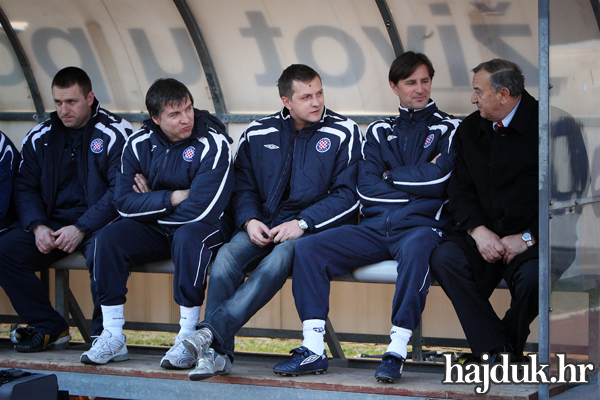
(35, 191)
(153, 229)
(403, 216)
(319, 162)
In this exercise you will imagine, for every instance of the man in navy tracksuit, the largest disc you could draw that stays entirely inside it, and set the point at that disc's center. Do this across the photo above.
(9, 161)
(175, 180)
(402, 180)
(63, 195)
(295, 175)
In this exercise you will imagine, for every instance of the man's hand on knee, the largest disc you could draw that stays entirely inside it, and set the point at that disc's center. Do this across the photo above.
(68, 238)
(44, 239)
(488, 243)
(513, 246)
(258, 232)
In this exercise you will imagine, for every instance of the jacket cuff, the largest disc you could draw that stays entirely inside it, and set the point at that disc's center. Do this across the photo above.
(32, 225)
(82, 228)
(167, 200)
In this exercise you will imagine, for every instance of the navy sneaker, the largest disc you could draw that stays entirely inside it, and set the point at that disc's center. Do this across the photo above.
(303, 361)
(390, 369)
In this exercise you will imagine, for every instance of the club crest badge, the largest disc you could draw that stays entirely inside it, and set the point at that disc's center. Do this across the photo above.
(188, 154)
(323, 145)
(97, 146)
(428, 141)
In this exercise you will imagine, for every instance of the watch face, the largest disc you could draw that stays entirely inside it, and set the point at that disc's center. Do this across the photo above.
(302, 224)
(526, 236)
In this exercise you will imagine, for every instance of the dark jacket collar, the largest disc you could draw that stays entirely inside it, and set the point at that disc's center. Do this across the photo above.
(285, 115)
(525, 111)
(418, 115)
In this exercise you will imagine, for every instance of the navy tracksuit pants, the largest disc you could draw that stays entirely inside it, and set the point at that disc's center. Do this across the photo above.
(129, 243)
(19, 260)
(339, 251)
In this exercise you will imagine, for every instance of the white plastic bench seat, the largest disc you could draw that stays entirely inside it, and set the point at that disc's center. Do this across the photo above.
(382, 272)
(77, 261)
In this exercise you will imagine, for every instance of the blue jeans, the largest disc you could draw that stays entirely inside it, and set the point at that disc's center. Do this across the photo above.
(231, 302)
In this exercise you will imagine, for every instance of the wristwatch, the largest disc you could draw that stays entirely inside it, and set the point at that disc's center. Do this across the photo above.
(385, 175)
(527, 238)
(302, 224)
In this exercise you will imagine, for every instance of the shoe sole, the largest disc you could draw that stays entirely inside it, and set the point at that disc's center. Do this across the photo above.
(286, 373)
(166, 364)
(86, 360)
(386, 379)
(63, 340)
(201, 377)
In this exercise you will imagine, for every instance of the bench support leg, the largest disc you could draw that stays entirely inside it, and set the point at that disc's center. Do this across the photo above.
(417, 343)
(65, 303)
(79, 318)
(61, 293)
(334, 343)
(45, 278)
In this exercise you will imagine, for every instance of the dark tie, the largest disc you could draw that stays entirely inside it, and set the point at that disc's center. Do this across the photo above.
(498, 125)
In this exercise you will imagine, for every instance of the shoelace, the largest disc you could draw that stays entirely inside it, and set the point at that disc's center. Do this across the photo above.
(175, 345)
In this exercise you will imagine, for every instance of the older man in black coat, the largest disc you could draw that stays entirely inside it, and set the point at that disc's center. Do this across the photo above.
(494, 200)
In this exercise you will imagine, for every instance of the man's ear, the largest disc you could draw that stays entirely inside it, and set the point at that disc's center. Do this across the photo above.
(156, 120)
(394, 88)
(286, 102)
(504, 95)
(90, 98)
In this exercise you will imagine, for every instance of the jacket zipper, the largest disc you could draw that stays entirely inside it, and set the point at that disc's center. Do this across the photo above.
(288, 161)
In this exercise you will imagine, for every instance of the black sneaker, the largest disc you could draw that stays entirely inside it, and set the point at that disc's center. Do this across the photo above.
(303, 361)
(40, 342)
(19, 333)
(390, 369)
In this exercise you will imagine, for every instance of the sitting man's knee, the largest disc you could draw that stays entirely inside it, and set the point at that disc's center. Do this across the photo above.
(438, 257)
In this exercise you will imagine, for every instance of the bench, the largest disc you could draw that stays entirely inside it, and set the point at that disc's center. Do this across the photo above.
(382, 272)
(65, 302)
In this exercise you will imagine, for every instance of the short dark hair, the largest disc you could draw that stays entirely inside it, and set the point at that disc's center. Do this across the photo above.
(295, 72)
(504, 73)
(69, 76)
(166, 92)
(406, 64)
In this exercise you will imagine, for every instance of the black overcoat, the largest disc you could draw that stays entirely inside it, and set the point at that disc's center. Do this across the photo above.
(495, 184)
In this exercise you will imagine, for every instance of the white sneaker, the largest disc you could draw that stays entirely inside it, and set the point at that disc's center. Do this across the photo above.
(211, 364)
(198, 342)
(106, 348)
(178, 357)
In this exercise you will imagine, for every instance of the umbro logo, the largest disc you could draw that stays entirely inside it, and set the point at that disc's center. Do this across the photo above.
(153, 146)
(392, 137)
(310, 359)
(271, 146)
(319, 329)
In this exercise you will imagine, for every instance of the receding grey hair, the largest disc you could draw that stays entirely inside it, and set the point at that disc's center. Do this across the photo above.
(504, 73)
